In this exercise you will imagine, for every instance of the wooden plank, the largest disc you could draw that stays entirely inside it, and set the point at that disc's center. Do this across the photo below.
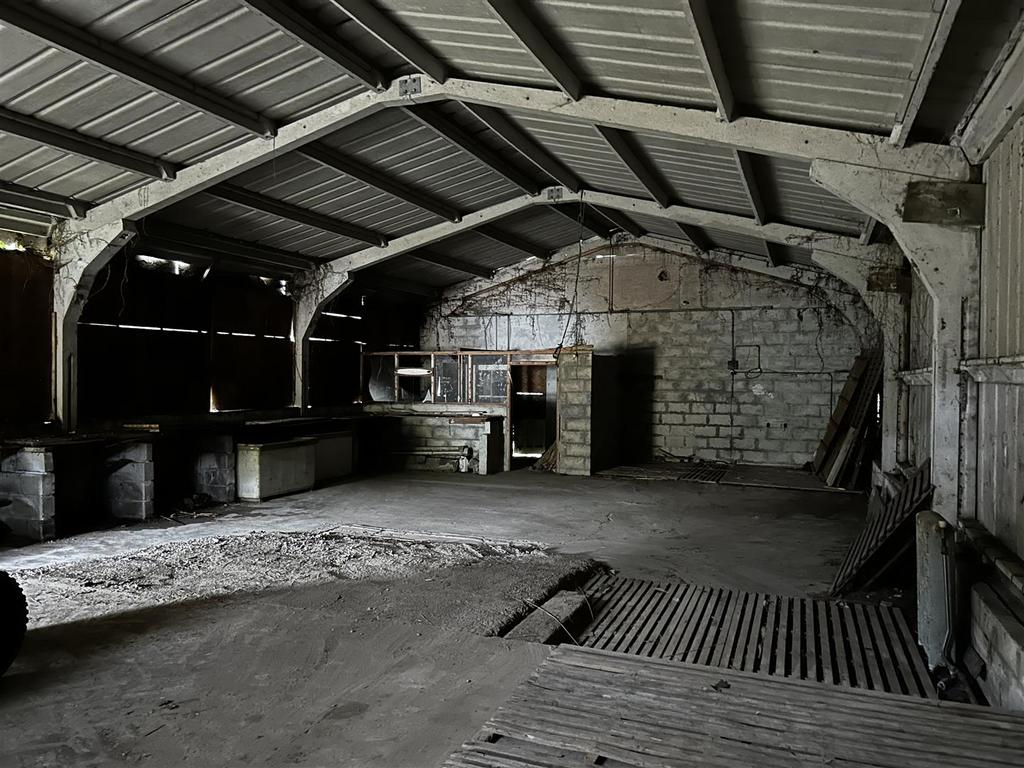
(672, 714)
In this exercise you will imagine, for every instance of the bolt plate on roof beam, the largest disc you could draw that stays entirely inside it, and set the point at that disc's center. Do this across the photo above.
(85, 146)
(440, 124)
(389, 32)
(377, 179)
(284, 17)
(258, 202)
(706, 43)
(498, 122)
(622, 146)
(60, 34)
(750, 134)
(517, 19)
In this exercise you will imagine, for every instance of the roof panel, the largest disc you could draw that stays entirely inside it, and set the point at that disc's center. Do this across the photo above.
(795, 199)
(736, 242)
(640, 50)
(581, 148)
(847, 64)
(470, 39)
(701, 176)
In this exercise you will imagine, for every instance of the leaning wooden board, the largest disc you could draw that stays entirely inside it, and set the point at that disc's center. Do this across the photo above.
(588, 707)
(891, 528)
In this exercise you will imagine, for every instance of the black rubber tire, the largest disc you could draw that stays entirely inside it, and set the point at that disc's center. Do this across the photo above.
(13, 619)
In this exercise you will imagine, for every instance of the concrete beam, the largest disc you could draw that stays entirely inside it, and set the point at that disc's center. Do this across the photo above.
(54, 31)
(310, 297)
(518, 21)
(999, 105)
(697, 239)
(706, 43)
(451, 263)
(745, 165)
(389, 32)
(78, 260)
(497, 121)
(624, 149)
(378, 179)
(940, 25)
(39, 201)
(257, 202)
(515, 242)
(293, 23)
(440, 124)
(224, 165)
(621, 220)
(890, 312)
(946, 258)
(757, 135)
(85, 146)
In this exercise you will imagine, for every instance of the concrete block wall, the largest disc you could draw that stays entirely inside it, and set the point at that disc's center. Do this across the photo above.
(128, 486)
(673, 324)
(575, 378)
(997, 634)
(436, 442)
(28, 481)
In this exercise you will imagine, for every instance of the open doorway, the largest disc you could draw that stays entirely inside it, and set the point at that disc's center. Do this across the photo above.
(532, 411)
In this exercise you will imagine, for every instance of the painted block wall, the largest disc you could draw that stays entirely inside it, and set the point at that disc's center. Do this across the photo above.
(674, 322)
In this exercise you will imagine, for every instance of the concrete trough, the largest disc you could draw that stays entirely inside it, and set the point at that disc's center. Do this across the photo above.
(266, 470)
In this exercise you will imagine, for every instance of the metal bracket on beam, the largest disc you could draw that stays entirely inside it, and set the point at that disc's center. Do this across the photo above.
(945, 202)
(410, 86)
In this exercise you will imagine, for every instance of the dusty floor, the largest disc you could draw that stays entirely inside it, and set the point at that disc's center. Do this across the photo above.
(755, 538)
(375, 652)
(354, 673)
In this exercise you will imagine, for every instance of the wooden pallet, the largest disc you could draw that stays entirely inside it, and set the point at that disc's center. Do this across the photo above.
(887, 535)
(699, 473)
(840, 447)
(859, 646)
(587, 707)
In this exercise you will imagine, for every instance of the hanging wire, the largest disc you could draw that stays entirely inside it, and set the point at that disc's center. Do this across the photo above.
(573, 316)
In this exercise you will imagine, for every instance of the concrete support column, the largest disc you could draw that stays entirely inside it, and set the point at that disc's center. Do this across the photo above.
(946, 257)
(78, 261)
(889, 311)
(311, 295)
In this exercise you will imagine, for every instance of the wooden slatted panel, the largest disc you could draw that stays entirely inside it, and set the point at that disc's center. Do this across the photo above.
(586, 707)
(893, 522)
(860, 646)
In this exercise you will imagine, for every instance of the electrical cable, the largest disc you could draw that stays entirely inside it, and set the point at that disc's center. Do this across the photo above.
(576, 285)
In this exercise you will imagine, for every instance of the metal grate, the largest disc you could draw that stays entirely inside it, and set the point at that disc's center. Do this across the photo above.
(852, 645)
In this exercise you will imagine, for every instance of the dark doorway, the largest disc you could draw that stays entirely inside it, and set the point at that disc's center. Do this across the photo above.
(532, 412)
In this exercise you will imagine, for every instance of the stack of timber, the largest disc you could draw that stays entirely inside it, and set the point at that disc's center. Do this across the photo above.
(843, 450)
(887, 535)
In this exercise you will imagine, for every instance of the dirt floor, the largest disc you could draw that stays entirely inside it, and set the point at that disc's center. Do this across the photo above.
(393, 671)
(184, 571)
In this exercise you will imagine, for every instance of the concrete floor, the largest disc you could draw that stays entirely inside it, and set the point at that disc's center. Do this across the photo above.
(392, 673)
(755, 538)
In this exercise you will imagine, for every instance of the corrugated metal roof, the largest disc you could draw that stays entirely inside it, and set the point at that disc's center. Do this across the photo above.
(700, 176)
(641, 50)
(582, 149)
(845, 64)
(794, 199)
(736, 242)
(398, 144)
(470, 39)
(221, 46)
(24, 222)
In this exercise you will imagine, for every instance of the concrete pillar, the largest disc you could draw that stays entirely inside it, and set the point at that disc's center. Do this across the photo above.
(311, 295)
(947, 259)
(889, 311)
(78, 260)
(28, 482)
(128, 487)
